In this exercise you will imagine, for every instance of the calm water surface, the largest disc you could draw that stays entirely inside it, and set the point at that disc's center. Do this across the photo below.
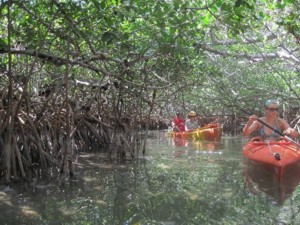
(177, 182)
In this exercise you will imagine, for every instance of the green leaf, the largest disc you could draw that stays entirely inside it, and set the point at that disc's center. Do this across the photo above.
(279, 5)
(3, 44)
(214, 8)
(103, 4)
(207, 18)
(226, 7)
(108, 37)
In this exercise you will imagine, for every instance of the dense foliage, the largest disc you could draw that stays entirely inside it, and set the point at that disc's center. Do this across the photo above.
(86, 71)
(191, 53)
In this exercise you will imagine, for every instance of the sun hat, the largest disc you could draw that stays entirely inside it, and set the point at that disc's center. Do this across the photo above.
(270, 102)
(192, 113)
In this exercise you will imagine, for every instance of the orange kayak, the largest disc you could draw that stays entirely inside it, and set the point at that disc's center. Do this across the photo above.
(210, 132)
(278, 156)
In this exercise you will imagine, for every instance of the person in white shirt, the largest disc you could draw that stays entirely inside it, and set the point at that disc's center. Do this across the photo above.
(191, 124)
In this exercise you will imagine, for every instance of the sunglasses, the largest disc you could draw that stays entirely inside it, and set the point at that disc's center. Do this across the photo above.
(272, 109)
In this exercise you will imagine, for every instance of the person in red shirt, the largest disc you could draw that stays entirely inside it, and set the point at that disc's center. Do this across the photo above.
(178, 122)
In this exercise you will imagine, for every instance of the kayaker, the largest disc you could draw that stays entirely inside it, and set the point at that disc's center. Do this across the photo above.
(271, 118)
(191, 124)
(178, 122)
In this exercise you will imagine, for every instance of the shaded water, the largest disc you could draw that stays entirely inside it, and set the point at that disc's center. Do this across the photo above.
(177, 182)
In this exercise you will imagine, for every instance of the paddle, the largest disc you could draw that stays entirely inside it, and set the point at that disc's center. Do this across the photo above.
(276, 131)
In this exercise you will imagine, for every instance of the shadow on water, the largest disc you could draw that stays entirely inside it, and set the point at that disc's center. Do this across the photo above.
(176, 183)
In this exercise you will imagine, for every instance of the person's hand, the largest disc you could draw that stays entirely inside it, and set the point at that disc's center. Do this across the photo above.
(246, 130)
(288, 131)
(252, 118)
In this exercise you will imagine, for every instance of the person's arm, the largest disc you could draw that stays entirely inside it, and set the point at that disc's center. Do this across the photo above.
(186, 125)
(172, 124)
(250, 126)
(287, 130)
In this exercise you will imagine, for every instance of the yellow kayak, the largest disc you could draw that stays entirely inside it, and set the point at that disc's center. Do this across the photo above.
(210, 132)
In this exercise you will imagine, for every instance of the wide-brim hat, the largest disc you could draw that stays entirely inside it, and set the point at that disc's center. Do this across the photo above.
(192, 113)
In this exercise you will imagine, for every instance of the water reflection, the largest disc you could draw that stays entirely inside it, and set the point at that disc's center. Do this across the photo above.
(196, 144)
(198, 147)
(260, 180)
(178, 142)
(174, 184)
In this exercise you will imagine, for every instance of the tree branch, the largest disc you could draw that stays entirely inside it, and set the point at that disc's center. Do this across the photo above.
(252, 57)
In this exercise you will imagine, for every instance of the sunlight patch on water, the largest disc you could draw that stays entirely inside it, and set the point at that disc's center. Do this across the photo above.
(5, 199)
(227, 193)
(89, 179)
(28, 211)
(70, 211)
(164, 166)
(99, 188)
(67, 212)
(155, 194)
(191, 195)
(104, 166)
(101, 202)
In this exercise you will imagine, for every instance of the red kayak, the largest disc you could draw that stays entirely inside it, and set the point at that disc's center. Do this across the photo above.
(277, 156)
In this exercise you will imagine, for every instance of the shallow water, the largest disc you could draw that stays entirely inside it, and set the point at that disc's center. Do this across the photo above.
(177, 182)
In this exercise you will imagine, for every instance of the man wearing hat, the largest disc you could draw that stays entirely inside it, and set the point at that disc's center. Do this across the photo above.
(191, 123)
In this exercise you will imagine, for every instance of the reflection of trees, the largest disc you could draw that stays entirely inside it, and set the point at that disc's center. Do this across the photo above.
(176, 196)
(206, 195)
(161, 190)
(124, 183)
